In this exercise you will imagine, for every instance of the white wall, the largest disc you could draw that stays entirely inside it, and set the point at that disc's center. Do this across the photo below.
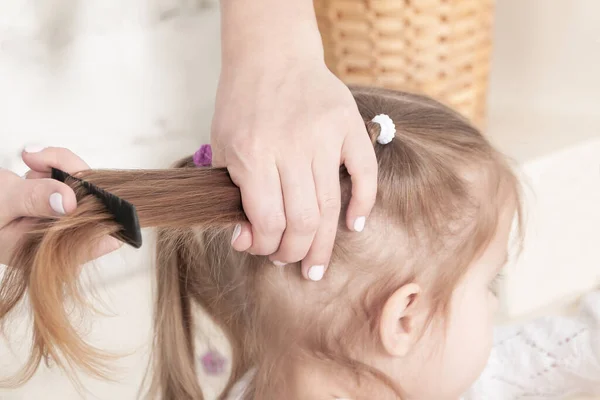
(544, 112)
(111, 75)
(547, 55)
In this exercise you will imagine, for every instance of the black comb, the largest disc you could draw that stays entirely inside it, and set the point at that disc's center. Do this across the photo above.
(123, 212)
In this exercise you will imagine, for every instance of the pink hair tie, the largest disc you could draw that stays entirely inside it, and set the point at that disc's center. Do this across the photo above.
(203, 157)
(213, 362)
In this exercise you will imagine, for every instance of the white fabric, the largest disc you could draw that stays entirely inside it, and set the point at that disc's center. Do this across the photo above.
(551, 358)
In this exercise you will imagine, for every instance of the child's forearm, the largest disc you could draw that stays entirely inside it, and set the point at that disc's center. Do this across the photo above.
(257, 31)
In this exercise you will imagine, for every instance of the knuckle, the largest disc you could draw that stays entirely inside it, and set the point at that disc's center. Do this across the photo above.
(244, 142)
(330, 204)
(273, 223)
(306, 221)
(32, 200)
(243, 155)
(241, 144)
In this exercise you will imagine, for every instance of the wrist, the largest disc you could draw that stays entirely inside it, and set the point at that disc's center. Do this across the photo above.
(268, 31)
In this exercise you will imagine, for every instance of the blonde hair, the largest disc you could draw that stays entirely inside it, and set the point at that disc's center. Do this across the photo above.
(440, 192)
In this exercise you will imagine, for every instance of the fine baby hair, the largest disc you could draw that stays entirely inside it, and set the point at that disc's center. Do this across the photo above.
(442, 192)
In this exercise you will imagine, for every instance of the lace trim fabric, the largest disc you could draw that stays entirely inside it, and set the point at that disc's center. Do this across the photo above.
(548, 358)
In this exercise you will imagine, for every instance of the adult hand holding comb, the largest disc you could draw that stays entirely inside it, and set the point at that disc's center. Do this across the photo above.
(38, 196)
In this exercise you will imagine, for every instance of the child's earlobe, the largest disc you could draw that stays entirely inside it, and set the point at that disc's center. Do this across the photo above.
(397, 326)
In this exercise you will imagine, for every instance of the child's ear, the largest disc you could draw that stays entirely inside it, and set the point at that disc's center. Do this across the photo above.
(399, 323)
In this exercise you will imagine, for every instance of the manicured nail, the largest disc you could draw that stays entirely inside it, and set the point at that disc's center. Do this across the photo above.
(359, 224)
(236, 233)
(33, 149)
(279, 263)
(56, 202)
(316, 272)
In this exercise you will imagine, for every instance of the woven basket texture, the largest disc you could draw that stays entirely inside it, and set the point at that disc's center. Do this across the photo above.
(441, 48)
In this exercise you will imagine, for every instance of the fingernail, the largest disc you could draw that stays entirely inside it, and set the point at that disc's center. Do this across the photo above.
(279, 263)
(316, 272)
(236, 233)
(359, 224)
(56, 203)
(33, 149)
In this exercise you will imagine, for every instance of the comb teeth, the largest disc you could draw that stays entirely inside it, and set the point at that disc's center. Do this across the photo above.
(123, 212)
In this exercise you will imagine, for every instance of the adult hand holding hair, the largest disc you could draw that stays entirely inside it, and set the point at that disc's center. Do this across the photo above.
(37, 196)
(283, 126)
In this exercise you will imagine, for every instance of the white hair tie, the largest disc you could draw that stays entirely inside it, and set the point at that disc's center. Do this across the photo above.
(387, 130)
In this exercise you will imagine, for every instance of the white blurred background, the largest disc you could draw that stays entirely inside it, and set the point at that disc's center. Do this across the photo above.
(130, 83)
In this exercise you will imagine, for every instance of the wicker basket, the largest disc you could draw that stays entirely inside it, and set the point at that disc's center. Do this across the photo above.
(441, 48)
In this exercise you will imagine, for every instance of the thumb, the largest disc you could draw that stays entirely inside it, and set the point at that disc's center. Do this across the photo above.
(40, 198)
(242, 237)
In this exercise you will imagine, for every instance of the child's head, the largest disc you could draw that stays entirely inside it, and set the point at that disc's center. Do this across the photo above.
(407, 302)
(405, 309)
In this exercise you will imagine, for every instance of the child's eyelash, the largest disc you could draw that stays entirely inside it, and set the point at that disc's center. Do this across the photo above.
(495, 283)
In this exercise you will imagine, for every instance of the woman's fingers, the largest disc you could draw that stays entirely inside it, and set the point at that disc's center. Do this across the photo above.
(272, 122)
(301, 211)
(241, 238)
(263, 205)
(327, 183)
(33, 198)
(358, 155)
(41, 160)
(38, 196)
